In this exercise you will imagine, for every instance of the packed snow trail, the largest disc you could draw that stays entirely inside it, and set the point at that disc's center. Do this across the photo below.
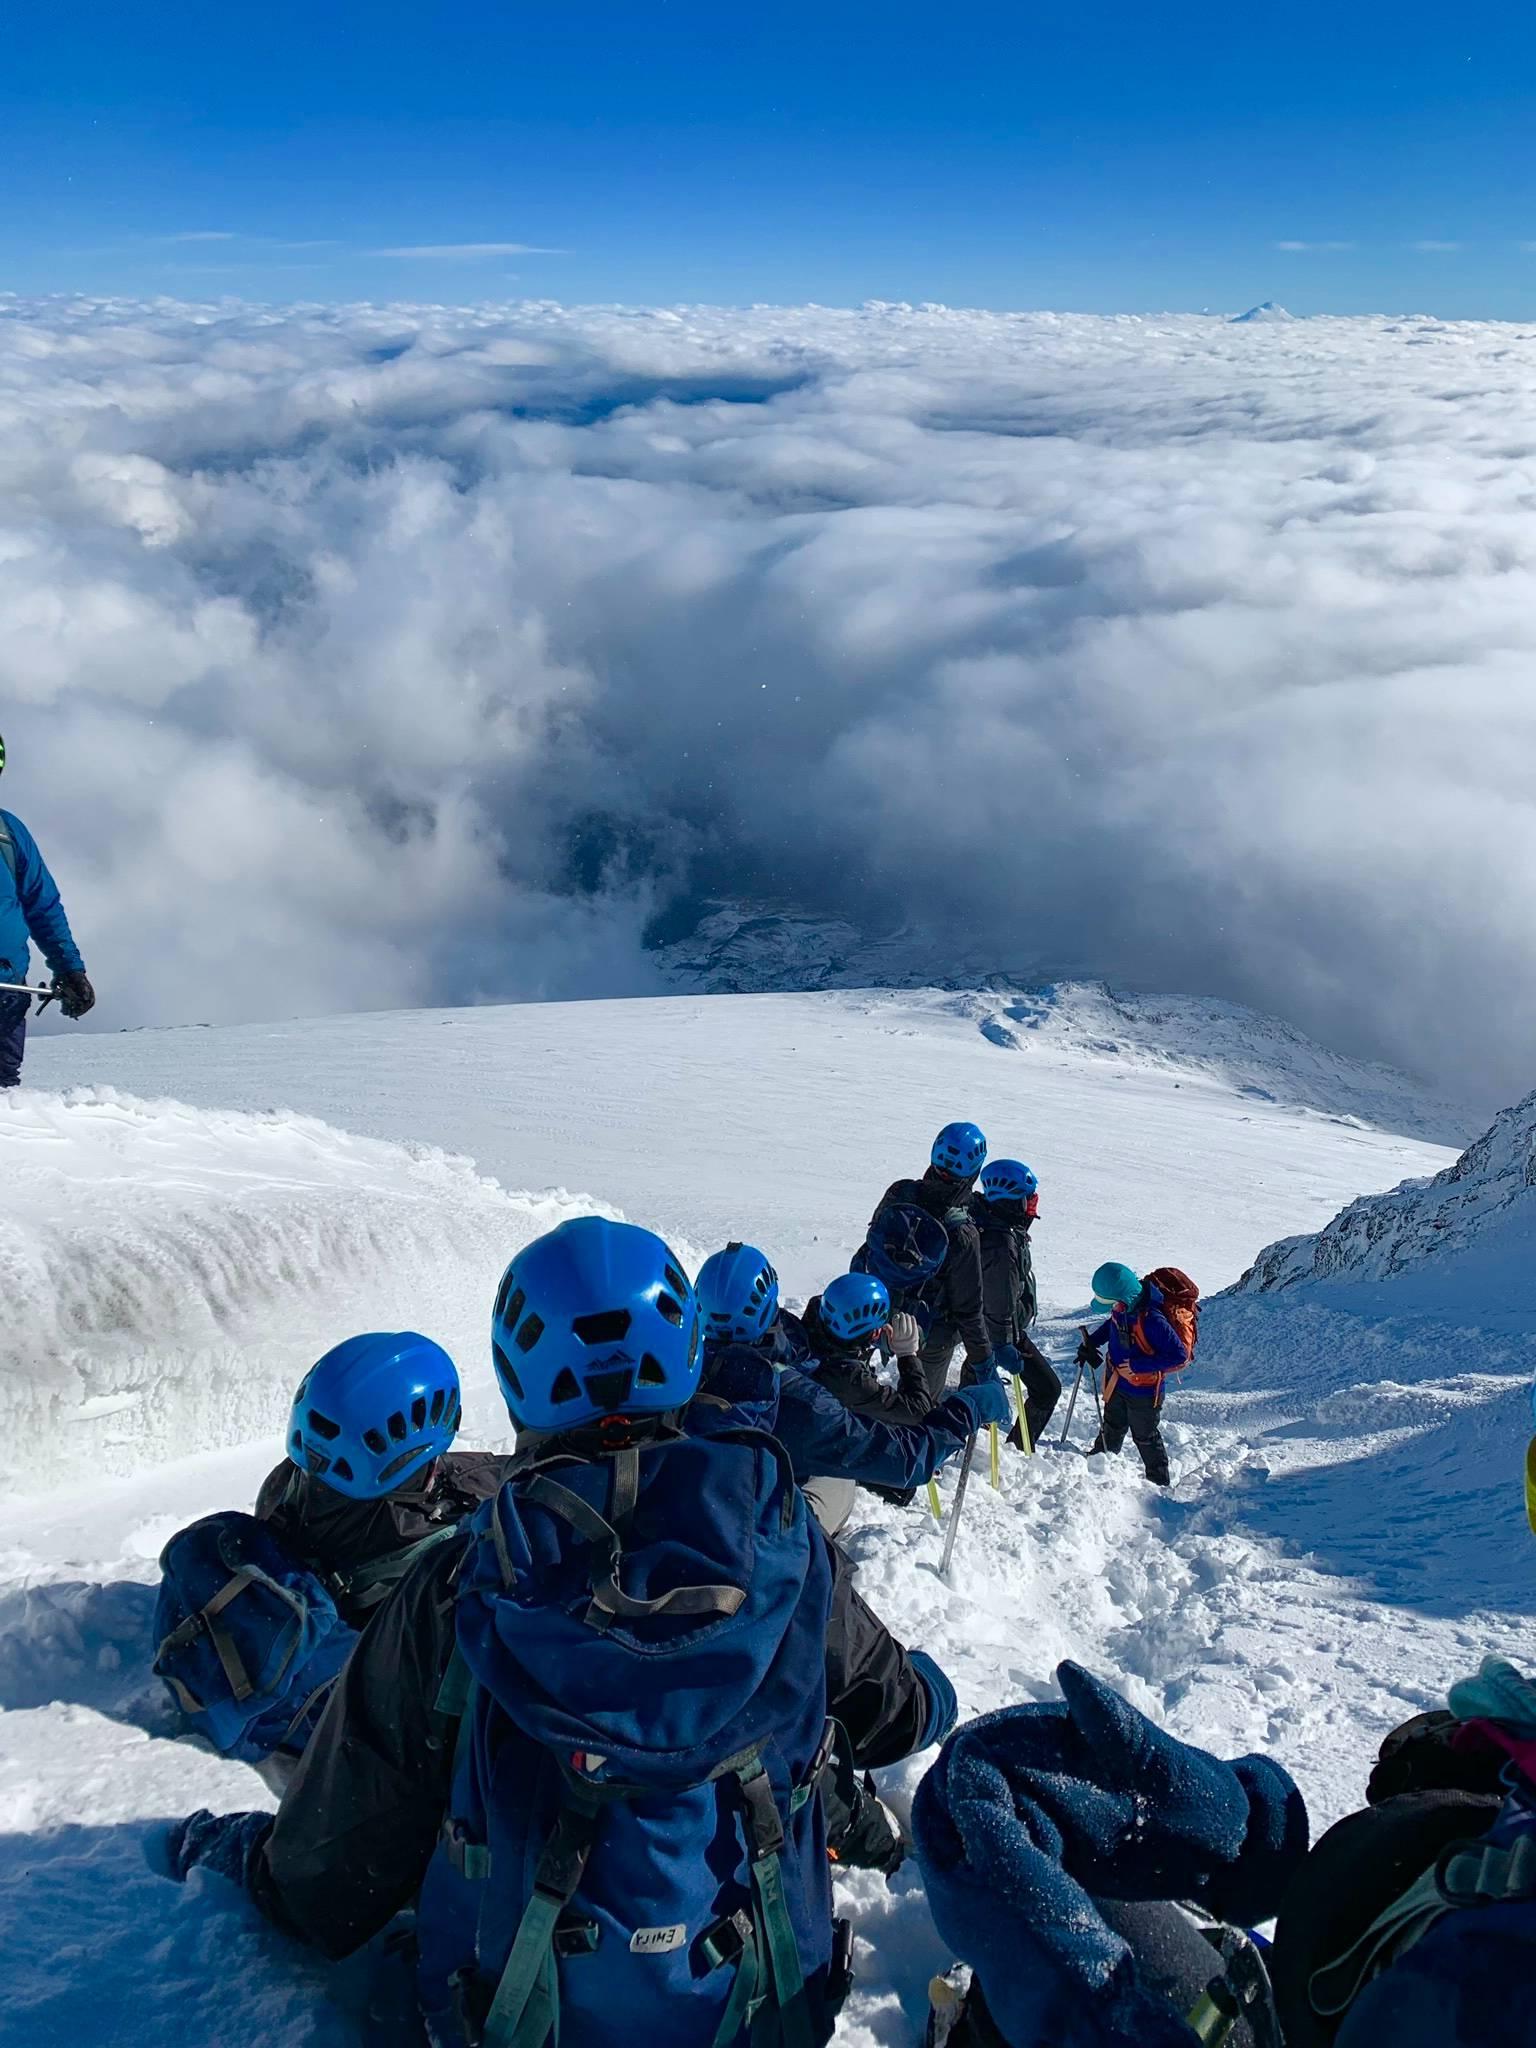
(252, 1238)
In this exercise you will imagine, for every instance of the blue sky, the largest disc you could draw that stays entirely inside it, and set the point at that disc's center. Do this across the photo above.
(1348, 157)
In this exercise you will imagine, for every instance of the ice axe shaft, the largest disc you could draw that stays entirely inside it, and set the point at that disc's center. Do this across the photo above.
(25, 988)
(1098, 1398)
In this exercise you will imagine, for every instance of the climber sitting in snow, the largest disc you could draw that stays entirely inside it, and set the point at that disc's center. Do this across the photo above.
(257, 1614)
(1151, 1332)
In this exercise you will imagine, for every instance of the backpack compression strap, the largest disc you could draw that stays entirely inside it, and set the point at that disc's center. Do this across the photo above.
(206, 1622)
(610, 1602)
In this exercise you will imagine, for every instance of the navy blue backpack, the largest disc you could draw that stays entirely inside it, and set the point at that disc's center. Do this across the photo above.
(250, 1643)
(635, 1849)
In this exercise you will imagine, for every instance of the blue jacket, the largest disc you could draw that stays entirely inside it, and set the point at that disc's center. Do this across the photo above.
(826, 1439)
(30, 910)
(1159, 1351)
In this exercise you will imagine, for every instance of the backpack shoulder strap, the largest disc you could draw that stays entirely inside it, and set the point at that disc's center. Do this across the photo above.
(7, 846)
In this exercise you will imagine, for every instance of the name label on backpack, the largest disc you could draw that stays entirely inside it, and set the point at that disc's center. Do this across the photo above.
(656, 1941)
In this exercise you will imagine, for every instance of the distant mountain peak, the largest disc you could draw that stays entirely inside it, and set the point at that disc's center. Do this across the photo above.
(1255, 315)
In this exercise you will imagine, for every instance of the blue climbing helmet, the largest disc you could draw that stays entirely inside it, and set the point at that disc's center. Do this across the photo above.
(371, 1413)
(905, 1247)
(595, 1318)
(1008, 1180)
(855, 1306)
(738, 1295)
(960, 1149)
(1114, 1284)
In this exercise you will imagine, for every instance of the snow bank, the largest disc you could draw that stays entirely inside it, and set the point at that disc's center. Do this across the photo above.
(167, 1272)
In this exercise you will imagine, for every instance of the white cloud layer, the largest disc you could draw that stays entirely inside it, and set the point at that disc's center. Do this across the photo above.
(389, 655)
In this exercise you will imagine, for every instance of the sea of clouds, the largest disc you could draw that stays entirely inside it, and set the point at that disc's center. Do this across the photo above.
(362, 656)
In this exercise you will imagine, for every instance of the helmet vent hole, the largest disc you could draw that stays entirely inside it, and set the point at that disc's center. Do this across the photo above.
(507, 1376)
(397, 1465)
(530, 1333)
(652, 1372)
(674, 1280)
(608, 1326)
(456, 1417)
(565, 1387)
(396, 1427)
(437, 1406)
(323, 1426)
(374, 1439)
(342, 1469)
(671, 1311)
(419, 1412)
(509, 1305)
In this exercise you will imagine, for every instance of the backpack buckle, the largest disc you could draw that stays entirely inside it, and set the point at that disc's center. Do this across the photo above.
(575, 1937)
(727, 1941)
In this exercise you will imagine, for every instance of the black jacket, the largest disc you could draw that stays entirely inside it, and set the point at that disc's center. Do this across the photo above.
(1009, 1301)
(337, 1537)
(852, 1377)
(360, 1818)
(953, 1298)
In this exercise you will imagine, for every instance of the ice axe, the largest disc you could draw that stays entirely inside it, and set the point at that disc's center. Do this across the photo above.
(954, 1519)
(24, 988)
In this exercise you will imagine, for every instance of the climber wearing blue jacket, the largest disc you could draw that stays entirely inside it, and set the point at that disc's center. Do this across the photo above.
(31, 914)
(758, 1362)
(1150, 1335)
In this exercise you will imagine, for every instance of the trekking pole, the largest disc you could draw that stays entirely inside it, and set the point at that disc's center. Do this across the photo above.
(1066, 1427)
(933, 1500)
(954, 1520)
(997, 1475)
(1026, 1441)
(25, 988)
(1098, 1399)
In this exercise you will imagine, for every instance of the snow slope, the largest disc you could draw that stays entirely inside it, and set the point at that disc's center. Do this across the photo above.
(1220, 1607)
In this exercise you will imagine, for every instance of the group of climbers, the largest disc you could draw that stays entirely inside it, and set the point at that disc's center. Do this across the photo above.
(603, 1711)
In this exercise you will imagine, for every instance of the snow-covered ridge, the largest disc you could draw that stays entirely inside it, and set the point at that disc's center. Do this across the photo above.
(744, 949)
(1488, 1196)
(167, 1272)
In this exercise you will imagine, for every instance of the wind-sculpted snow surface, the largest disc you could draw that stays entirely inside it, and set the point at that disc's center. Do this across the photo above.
(451, 646)
(167, 1273)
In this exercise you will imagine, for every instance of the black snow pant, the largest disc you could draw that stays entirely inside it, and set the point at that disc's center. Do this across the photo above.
(1141, 1418)
(13, 1038)
(1042, 1390)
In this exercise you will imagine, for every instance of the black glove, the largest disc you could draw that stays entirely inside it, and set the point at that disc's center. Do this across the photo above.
(74, 992)
(1086, 1355)
(226, 1843)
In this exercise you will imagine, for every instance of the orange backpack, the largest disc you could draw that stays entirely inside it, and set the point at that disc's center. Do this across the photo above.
(1181, 1305)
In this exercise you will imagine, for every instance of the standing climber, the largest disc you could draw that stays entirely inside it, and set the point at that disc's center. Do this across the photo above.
(952, 1299)
(1151, 1333)
(31, 914)
(1004, 1208)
